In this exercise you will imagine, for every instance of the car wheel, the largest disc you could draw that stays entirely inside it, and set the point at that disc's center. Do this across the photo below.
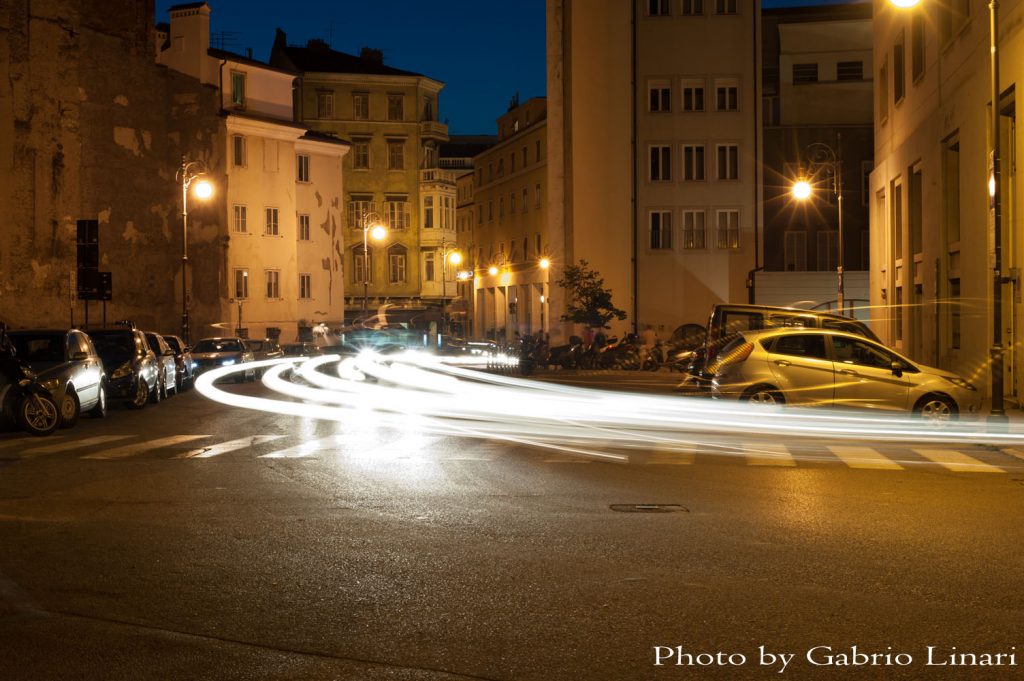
(157, 393)
(70, 408)
(141, 395)
(936, 409)
(39, 415)
(100, 410)
(764, 395)
(165, 391)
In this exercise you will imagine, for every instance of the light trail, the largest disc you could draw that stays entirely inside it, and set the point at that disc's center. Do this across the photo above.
(444, 397)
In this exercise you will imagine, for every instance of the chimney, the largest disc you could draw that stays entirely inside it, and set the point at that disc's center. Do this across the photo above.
(372, 55)
(189, 38)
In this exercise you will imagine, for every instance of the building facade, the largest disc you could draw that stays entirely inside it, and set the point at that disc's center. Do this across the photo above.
(276, 212)
(931, 218)
(653, 124)
(817, 104)
(392, 176)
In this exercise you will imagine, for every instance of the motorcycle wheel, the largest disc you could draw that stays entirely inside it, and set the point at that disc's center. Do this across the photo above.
(39, 415)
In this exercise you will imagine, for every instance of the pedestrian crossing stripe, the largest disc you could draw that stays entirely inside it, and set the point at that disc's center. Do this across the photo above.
(74, 444)
(768, 454)
(864, 457)
(229, 446)
(136, 448)
(957, 461)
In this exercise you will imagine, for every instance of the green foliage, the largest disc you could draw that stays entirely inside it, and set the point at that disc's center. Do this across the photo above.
(590, 303)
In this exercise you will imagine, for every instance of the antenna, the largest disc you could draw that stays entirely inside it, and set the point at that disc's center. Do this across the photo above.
(223, 39)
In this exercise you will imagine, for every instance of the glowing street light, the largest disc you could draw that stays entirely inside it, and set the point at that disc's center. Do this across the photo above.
(190, 172)
(544, 263)
(449, 257)
(823, 157)
(802, 190)
(492, 270)
(372, 227)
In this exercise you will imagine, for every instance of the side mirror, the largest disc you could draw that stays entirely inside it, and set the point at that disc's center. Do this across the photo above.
(897, 368)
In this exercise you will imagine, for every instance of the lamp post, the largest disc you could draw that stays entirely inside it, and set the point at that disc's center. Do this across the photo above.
(371, 227)
(189, 172)
(453, 257)
(544, 264)
(821, 156)
(998, 413)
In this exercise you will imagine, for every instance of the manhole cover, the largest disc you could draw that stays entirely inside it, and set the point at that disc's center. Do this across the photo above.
(649, 508)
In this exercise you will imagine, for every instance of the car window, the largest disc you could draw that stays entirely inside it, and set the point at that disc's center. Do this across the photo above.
(41, 348)
(112, 343)
(788, 320)
(172, 343)
(735, 322)
(78, 343)
(209, 345)
(848, 327)
(852, 351)
(803, 345)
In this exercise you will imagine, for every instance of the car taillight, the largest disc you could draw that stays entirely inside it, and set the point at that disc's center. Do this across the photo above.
(733, 356)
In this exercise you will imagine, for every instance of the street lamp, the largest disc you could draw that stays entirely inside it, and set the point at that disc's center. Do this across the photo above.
(821, 156)
(190, 172)
(372, 227)
(453, 257)
(998, 413)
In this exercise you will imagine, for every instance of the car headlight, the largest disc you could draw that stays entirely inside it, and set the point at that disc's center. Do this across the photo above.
(122, 371)
(960, 383)
(227, 362)
(51, 384)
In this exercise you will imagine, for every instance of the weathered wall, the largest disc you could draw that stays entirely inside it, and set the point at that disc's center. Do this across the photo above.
(91, 127)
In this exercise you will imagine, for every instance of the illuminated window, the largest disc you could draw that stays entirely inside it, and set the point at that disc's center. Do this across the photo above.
(271, 227)
(238, 89)
(728, 229)
(694, 232)
(241, 284)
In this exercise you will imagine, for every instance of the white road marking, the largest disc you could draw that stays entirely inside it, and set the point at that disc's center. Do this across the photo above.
(305, 449)
(957, 461)
(75, 444)
(229, 446)
(681, 457)
(768, 454)
(135, 448)
(864, 457)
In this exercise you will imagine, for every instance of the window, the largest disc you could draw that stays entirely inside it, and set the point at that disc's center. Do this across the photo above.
(362, 265)
(479, 215)
(828, 250)
(397, 213)
(725, 6)
(915, 208)
(661, 229)
(302, 168)
(659, 96)
(490, 211)
(898, 70)
(536, 242)
(897, 219)
(954, 313)
(951, 188)
(883, 91)
(270, 223)
(658, 8)
(693, 8)
(501, 207)
(428, 212)
(693, 95)
(305, 286)
(303, 227)
(446, 215)
(850, 70)
(917, 45)
(325, 105)
(727, 95)
(238, 151)
(511, 203)
(512, 162)
(396, 154)
(238, 89)
(728, 161)
(428, 266)
(358, 206)
(660, 163)
(273, 278)
(360, 154)
(241, 284)
(805, 73)
(501, 167)
(811, 345)
(693, 162)
(397, 264)
(395, 108)
(536, 148)
(728, 229)
(694, 236)
(526, 194)
(795, 251)
(524, 157)
(862, 353)
(241, 218)
(536, 196)
(361, 106)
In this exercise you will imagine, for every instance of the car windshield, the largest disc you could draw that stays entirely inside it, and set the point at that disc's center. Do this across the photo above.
(255, 345)
(212, 345)
(39, 347)
(113, 343)
(173, 342)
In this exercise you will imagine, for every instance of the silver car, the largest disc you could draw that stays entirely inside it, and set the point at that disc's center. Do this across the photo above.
(833, 368)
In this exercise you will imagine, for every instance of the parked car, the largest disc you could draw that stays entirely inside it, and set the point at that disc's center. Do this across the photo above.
(263, 348)
(835, 368)
(129, 363)
(210, 353)
(727, 319)
(67, 365)
(301, 349)
(183, 359)
(167, 365)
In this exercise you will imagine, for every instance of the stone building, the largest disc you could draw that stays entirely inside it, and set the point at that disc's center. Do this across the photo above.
(392, 175)
(277, 207)
(932, 241)
(96, 134)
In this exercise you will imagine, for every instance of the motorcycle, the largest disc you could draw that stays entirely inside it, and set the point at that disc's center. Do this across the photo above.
(23, 400)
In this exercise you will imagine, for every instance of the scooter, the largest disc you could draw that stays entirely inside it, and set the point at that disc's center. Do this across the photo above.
(23, 400)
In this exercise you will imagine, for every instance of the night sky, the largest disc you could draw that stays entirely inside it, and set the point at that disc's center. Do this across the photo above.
(483, 51)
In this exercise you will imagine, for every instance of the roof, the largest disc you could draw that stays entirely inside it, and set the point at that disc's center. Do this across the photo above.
(460, 146)
(185, 5)
(319, 136)
(318, 57)
(242, 59)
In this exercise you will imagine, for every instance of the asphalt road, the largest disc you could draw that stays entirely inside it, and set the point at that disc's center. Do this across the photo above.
(194, 540)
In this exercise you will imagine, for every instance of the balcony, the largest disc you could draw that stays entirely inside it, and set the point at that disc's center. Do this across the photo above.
(435, 237)
(434, 130)
(437, 176)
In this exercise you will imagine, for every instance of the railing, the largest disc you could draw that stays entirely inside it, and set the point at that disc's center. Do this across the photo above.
(437, 175)
(434, 129)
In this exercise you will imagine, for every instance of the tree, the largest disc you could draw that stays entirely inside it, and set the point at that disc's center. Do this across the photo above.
(590, 303)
